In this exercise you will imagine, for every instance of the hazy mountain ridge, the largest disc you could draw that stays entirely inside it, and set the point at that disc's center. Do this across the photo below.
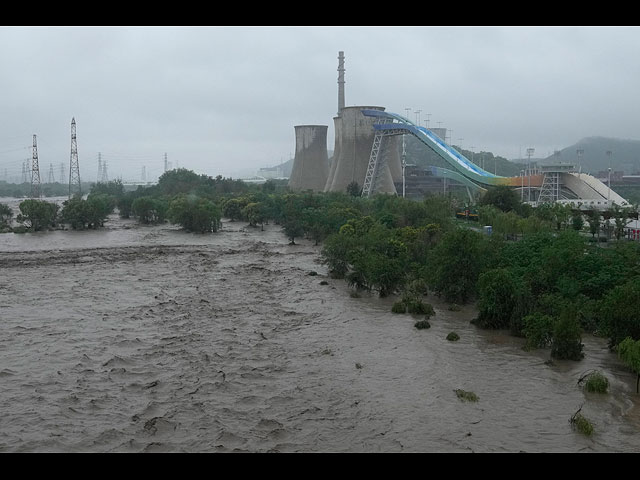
(625, 155)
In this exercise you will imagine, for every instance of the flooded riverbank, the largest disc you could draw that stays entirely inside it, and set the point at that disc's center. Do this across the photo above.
(140, 338)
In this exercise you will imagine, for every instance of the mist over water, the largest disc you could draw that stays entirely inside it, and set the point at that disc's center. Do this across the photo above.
(135, 339)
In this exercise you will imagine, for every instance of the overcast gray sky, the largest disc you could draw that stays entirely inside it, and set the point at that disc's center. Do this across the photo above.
(224, 100)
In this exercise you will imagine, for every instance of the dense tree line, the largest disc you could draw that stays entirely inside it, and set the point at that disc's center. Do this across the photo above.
(542, 273)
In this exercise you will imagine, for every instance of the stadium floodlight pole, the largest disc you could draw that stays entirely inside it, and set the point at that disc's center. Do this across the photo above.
(530, 151)
(609, 152)
(404, 166)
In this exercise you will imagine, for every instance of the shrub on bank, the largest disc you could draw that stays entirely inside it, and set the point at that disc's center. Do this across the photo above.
(597, 382)
(453, 337)
(422, 324)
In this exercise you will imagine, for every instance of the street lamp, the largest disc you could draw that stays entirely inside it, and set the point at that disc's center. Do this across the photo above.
(417, 116)
(407, 110)
(580, 153)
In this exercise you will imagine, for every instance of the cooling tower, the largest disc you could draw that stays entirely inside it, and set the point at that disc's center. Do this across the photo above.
(391, 149)
(354, 138)
(311, 162)
(337, 123)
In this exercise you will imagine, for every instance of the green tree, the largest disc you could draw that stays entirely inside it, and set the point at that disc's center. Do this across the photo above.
(194, 214)
(629, 353)
(89, 213)
(538, 330)
(232, 208)
(566, 343)
(353, 189)
(114, 188)
(37, 214)
(181, 180)
(593, 217)
(503, 299)
(577, 222)
(5, 214)
(620, 317)
(255, 212)
(456, 262)
(149, 209)
(335, 252)
(502, 197)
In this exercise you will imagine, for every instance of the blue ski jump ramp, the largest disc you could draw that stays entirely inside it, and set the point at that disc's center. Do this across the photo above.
(465, 171)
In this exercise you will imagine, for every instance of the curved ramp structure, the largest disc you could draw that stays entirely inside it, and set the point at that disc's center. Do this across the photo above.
(387, 124)
(551, 182)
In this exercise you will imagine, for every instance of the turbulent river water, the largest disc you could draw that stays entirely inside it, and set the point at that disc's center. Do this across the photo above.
(137, 339)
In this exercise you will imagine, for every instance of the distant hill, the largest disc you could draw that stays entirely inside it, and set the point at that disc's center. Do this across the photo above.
(288, 165)
(625, 155)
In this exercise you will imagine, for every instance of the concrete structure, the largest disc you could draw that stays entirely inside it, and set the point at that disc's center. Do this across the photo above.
(311, 162)
(354, 138)
(271, 172)
(340, 82)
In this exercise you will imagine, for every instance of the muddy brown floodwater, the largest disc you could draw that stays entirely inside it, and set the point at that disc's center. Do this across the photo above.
(136, 339)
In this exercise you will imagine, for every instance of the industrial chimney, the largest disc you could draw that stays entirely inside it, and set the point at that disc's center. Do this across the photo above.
(340, 82)
(311, 163)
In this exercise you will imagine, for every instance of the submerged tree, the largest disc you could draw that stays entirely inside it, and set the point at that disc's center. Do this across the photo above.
(37, 214)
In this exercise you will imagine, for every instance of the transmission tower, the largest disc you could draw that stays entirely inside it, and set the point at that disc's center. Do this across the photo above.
(74, 167)
(165, 162)
(51, 179)
(143, 177)
(25, 171)
(104, 178)
(99, 167)
(61, 172)
(35, 171)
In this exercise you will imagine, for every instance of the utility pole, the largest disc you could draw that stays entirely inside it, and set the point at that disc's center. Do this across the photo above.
(35, 171)
(74, 167)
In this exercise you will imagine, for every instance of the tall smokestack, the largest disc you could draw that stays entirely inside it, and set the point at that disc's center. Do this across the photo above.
(311, 163)
(340, 82)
